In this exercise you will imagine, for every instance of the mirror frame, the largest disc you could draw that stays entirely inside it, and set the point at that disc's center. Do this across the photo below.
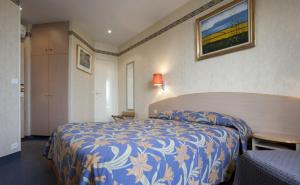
(133, 64)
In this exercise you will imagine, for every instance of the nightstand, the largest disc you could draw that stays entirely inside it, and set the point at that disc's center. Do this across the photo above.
(153, 116)
(272, 141)
(124, 116)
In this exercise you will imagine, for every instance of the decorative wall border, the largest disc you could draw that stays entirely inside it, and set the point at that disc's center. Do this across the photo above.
(90, 46)
(17, 2)
(154, 35)
(173, 24)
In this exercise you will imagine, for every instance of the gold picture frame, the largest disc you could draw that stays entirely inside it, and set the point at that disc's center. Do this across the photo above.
(227, 29)
(84, 60)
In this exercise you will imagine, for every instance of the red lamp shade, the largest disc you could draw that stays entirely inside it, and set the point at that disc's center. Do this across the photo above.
(157, 79)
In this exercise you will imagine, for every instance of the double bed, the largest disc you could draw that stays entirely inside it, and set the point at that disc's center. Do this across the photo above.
(179, 147)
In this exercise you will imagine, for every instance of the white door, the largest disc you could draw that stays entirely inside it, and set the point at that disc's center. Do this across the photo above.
(106, 89)
(22, 93)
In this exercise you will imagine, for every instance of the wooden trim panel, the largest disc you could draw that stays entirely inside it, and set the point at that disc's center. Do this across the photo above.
(262, 112)
(283, 138)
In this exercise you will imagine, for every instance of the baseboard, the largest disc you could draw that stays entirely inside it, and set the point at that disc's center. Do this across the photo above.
(9, 157)
(31, 138)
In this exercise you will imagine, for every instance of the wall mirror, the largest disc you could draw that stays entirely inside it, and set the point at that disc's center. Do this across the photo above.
(130, 86)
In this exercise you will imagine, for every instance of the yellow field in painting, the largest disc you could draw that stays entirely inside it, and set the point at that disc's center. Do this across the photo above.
(227, 33)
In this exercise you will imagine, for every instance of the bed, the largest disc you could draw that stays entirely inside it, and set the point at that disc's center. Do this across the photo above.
(179, 147)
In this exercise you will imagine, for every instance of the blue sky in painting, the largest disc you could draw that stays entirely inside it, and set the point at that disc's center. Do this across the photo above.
(213, 22)
(227, 23)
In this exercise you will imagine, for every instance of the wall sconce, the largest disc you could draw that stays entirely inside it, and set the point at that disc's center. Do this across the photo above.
(157, 80)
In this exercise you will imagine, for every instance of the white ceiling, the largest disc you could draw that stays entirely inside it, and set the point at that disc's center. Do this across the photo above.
(125, 18)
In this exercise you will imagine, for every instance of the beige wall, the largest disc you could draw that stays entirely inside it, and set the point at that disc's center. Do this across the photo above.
(271, 67)
(9, 78)
(81, 84)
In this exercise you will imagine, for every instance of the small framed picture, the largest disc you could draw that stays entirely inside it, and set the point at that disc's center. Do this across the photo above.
(229, 28)
(84, 60)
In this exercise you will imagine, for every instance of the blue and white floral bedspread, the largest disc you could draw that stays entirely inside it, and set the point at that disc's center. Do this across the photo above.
(180, 148)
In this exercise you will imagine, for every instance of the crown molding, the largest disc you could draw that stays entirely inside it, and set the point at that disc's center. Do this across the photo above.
(150, 37)
(17, 2)
(173, 24)
(76, 35)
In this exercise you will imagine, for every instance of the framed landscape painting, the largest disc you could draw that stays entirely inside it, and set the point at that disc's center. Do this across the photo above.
(228, 29)
(84, 60)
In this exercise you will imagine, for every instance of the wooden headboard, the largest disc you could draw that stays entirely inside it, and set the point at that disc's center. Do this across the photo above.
(262, 112)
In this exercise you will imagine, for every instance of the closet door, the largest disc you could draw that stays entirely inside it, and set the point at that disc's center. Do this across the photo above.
(39, 40)
(39, 95)
(58, 91)
(58, 38)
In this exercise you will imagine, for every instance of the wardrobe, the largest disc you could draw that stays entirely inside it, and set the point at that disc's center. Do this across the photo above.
(49, 77)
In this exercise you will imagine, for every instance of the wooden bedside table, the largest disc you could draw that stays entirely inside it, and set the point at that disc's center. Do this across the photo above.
(272, 141)
(153, 116)
(124, 116)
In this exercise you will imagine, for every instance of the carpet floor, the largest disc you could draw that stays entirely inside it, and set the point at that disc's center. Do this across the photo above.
(28, 167)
